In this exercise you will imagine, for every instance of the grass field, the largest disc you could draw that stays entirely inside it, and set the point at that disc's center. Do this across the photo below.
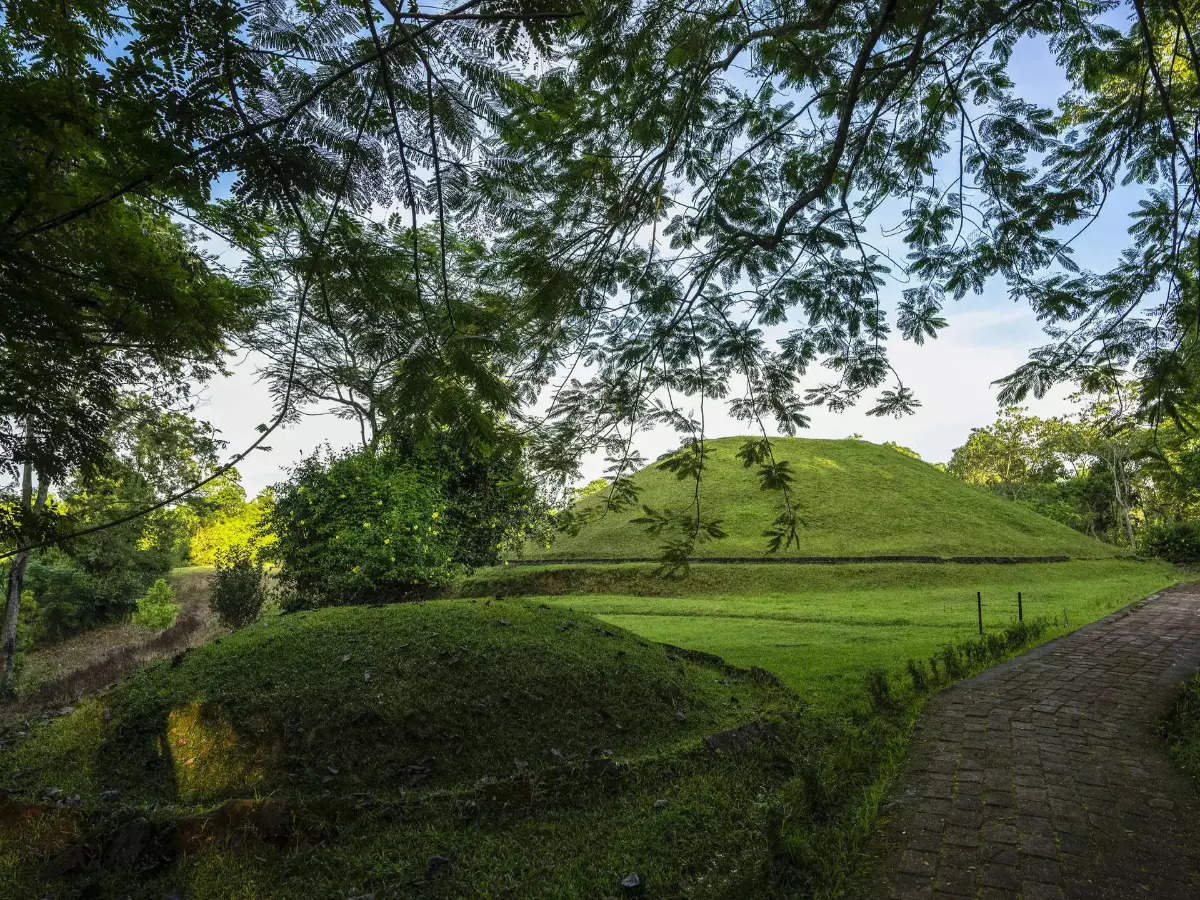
(855, 499)
(528, 734)
(821, 627)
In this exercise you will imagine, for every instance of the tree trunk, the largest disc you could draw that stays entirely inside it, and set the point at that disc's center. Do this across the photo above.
(12, 609)
(1121, 494)
(16, 574)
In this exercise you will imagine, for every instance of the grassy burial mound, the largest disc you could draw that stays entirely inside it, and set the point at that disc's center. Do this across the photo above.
(855, 499)
(431, 695)
(414, 749)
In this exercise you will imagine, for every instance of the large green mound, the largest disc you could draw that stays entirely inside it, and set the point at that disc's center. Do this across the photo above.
(854, 498)
(381, 699)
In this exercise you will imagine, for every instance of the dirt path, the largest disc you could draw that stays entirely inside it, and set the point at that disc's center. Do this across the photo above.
(1045, 776)
(87, 662)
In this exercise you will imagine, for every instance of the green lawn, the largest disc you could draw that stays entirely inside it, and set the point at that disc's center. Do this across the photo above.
(529, 743)
(820, 628)
(855, 498)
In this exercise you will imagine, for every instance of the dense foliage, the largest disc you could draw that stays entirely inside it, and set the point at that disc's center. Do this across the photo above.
(98, 576)
(366, 525)
(157, 608)
(1100, 470)
(493, 502)
(239, 587)
(68, 597)
(1181, 727)
(360, 527)
(1176, 541)
(225, 520)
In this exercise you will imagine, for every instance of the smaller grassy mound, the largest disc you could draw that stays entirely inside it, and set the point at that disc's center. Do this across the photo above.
(380, 699)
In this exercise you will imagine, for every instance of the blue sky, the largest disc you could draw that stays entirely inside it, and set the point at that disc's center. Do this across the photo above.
(988, 336)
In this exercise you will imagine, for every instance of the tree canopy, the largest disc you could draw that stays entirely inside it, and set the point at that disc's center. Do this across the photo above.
(664, 204)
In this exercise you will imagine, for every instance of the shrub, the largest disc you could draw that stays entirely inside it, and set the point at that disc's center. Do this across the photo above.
(1177, 542)
(916, 671)
(952, 663)
(157, 607)
(491, 501)
(1181, 727)
(239, 587)
(361, 527)
(69, 599)
(880, 691)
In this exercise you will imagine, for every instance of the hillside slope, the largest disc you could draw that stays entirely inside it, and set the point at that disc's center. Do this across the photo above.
(855, 499)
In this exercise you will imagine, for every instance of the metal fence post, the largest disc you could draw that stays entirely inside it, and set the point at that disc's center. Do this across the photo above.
(979, 606)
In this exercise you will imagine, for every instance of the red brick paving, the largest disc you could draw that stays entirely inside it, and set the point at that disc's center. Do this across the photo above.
(1045, 777)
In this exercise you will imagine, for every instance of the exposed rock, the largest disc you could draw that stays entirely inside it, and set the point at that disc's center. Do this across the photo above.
(502, 622)
(662, 804)
(632, 885)
(437, 866)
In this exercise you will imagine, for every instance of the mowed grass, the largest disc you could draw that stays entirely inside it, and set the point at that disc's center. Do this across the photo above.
(854, 498)
(822, 627)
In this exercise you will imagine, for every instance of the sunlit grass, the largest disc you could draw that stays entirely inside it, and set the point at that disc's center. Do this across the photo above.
(833, 623)
(853, 498)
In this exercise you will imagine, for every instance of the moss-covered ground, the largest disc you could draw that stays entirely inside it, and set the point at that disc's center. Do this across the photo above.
(530, 736)
(524, 744)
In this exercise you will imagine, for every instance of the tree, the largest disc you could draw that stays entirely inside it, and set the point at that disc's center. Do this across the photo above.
(687, 176)
(1107, 431)
(101, 305)
(376, 350)
(1100, 470)
(234, 523)
(662, 183)
(148, 454)
(1013, 455)
(1131, 116)
(493, 502)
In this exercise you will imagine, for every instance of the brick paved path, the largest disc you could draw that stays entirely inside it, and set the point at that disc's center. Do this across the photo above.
(1045, 776)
